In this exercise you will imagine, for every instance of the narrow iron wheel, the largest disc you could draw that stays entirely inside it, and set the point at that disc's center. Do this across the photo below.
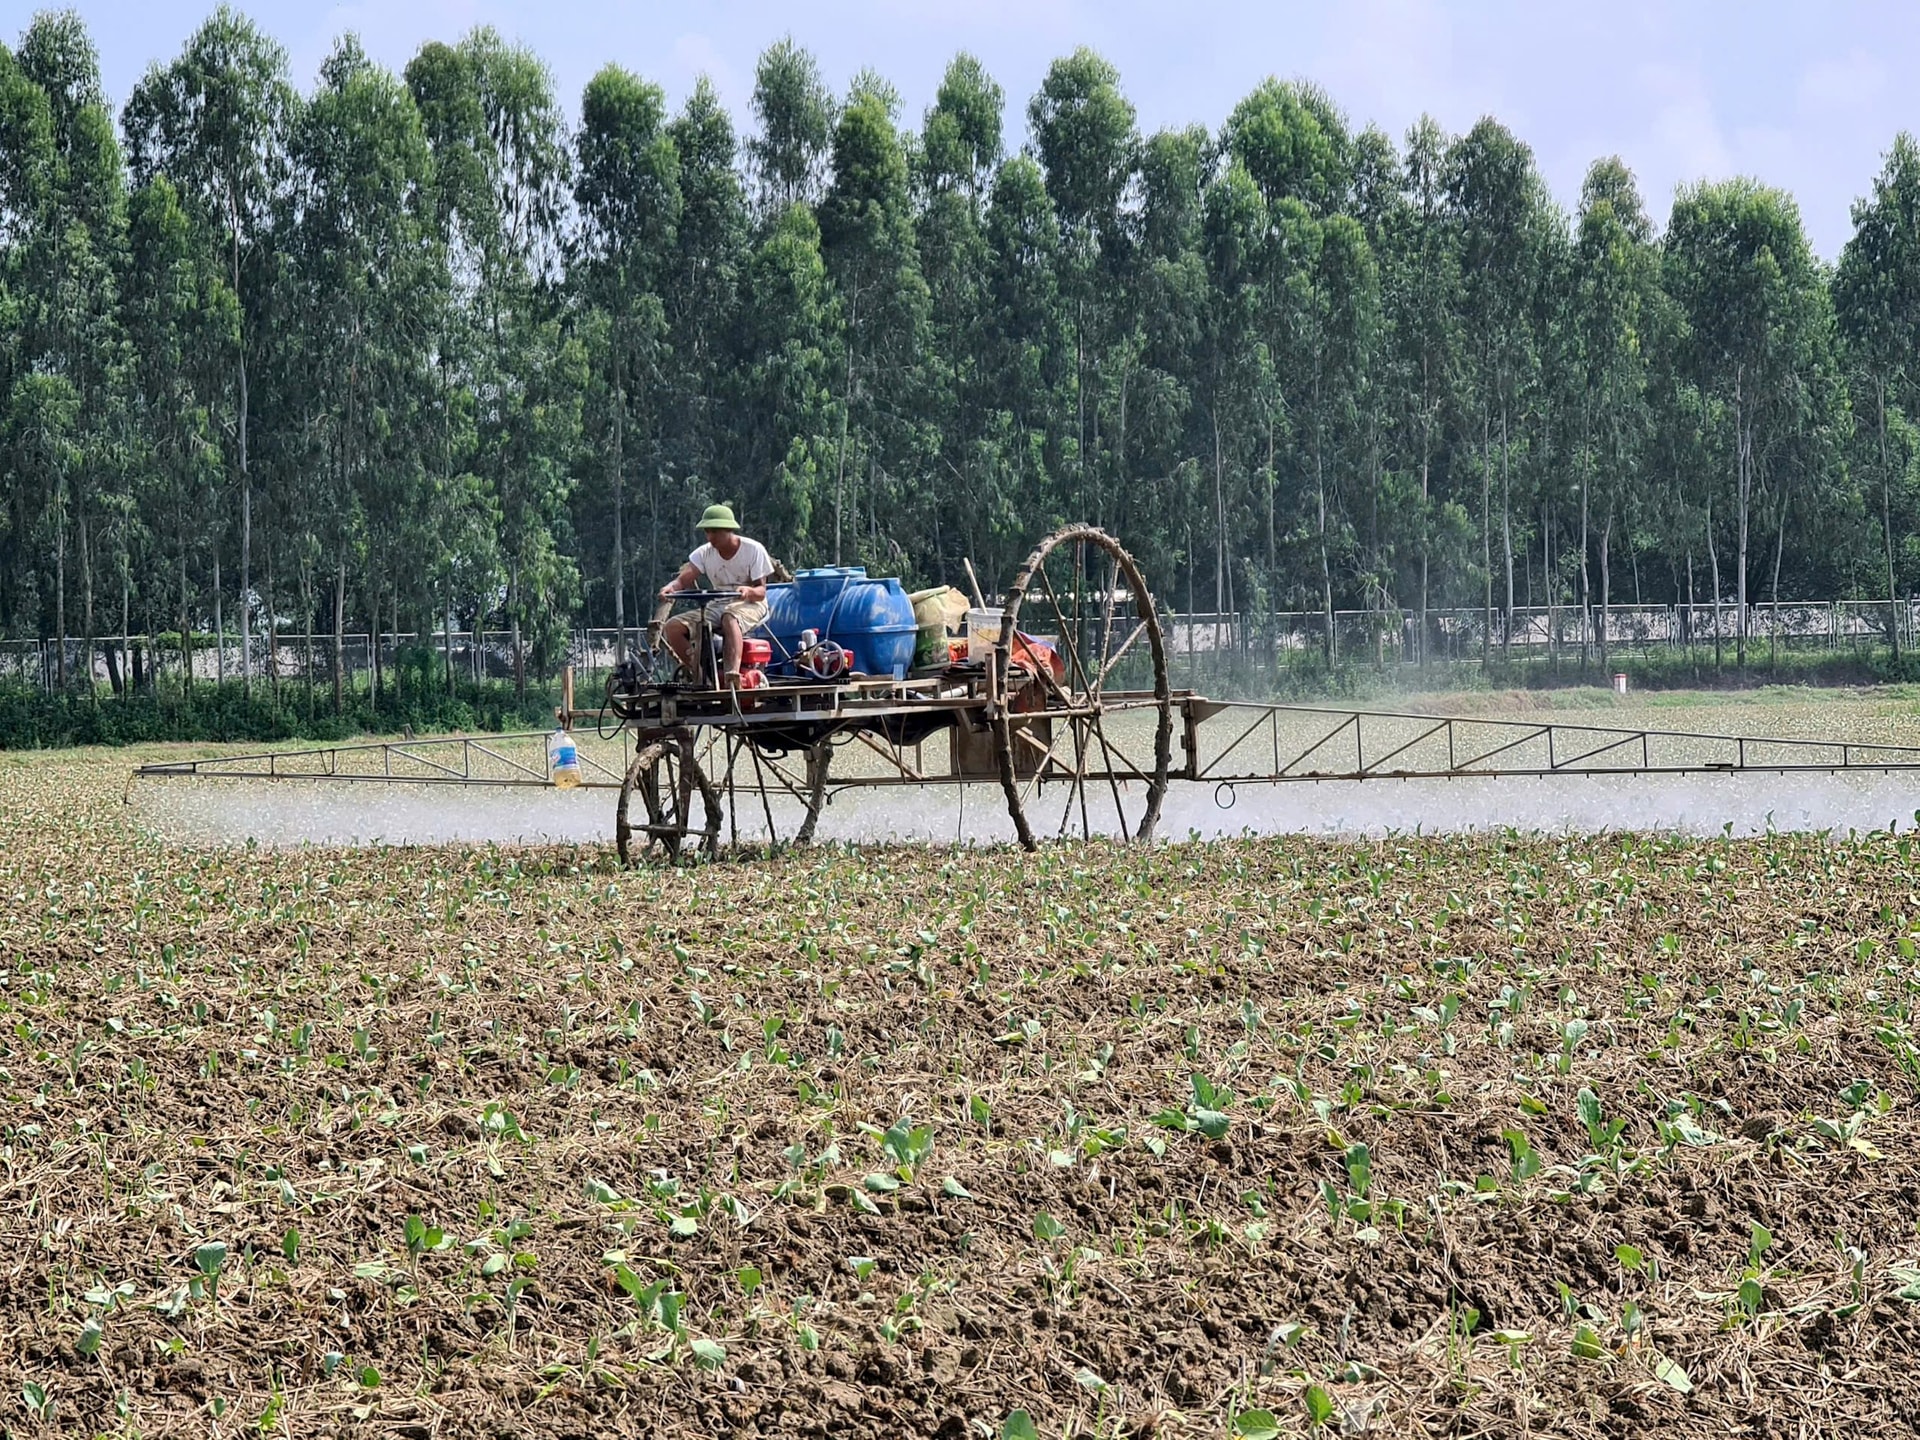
(1075, 732)
(819, 761)
(785, 797)
(666, 776)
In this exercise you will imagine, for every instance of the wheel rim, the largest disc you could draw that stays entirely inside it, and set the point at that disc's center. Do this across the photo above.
(1099, 736)
(666, 777)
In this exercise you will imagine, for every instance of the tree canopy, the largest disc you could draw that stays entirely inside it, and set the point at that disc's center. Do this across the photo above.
(433, 350)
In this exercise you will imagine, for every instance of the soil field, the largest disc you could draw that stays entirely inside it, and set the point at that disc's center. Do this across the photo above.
(1467, 1136)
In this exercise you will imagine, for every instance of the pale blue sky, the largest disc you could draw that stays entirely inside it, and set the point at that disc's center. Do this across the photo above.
(1804, 96)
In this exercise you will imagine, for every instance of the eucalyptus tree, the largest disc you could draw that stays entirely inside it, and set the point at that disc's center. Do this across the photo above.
(1170, 299)
(1737, 262)
(961, 142)
(177, 308)
(1420, 263)
(627, 189)
(26, 184)
(1335, 288)
(787, 422)
(1616, 270)
(1499, 208)
(1024, 358)
(1236, 368)
(702, 300)
(960, 147)
(1083, 132)
(867, 240)
(1876, 292)
(70, 252)
(795, 112)
(215, 122)
(528, 371)
(42, 425)
(1292, 142)
(459, 215)
(373, 283)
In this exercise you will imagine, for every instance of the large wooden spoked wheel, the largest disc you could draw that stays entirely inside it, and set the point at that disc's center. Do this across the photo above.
(1086, 749)
(666, 777)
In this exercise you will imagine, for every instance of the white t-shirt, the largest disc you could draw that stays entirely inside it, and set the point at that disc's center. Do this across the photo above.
(749, 566)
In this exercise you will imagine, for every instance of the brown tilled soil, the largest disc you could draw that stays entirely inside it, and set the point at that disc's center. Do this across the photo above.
(1531, 1138)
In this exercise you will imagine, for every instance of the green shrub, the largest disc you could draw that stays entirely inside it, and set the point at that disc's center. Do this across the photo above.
(33, 719)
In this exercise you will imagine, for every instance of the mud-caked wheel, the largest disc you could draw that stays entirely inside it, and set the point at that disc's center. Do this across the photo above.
(667, 779)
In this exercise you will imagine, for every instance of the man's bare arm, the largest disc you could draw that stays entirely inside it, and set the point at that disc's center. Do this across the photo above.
(687, 579)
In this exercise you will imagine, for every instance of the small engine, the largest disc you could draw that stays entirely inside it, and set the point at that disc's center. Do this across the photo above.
(755, 656)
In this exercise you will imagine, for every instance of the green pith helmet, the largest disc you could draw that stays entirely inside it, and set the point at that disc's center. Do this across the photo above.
(718, 517)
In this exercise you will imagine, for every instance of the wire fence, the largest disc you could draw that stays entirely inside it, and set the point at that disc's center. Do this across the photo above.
(1458, 634)
(1377, 636)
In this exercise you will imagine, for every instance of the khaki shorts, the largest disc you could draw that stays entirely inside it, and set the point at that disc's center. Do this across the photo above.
(750, 613)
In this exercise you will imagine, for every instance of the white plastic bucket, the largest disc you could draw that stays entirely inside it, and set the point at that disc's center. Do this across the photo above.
(983, 632)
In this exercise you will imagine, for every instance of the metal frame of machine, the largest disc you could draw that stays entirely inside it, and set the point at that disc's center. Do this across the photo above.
(1040, 719)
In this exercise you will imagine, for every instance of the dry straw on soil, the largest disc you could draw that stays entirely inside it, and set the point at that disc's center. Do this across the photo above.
(1516, 1137)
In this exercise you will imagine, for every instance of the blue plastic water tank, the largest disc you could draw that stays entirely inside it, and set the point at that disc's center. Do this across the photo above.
(871, 617)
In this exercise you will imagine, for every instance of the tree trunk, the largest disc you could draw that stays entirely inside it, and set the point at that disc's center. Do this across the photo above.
(1779, 547)
(1506, 526)
(1586, 544)
(1219, 532)
(1546, 577)
(1606, 586)
(1713, 573)
(340, 635)
(126, 623)
(86, 604)
(1079, 396)
(1486, 534)
(186, 638)
(1326, 559)
(308, 615)
(60, 597)
(399, 670)
(1273, 552)
(846, 408)
(1886, 523)
(619, 513)
(1743, 463)
(246, 474)
(373, 639)
(1426, 542)
(1686, 631)
(1633, 551)
(219, 625)
(519, 653)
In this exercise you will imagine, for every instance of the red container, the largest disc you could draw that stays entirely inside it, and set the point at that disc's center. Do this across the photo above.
(755, 654)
